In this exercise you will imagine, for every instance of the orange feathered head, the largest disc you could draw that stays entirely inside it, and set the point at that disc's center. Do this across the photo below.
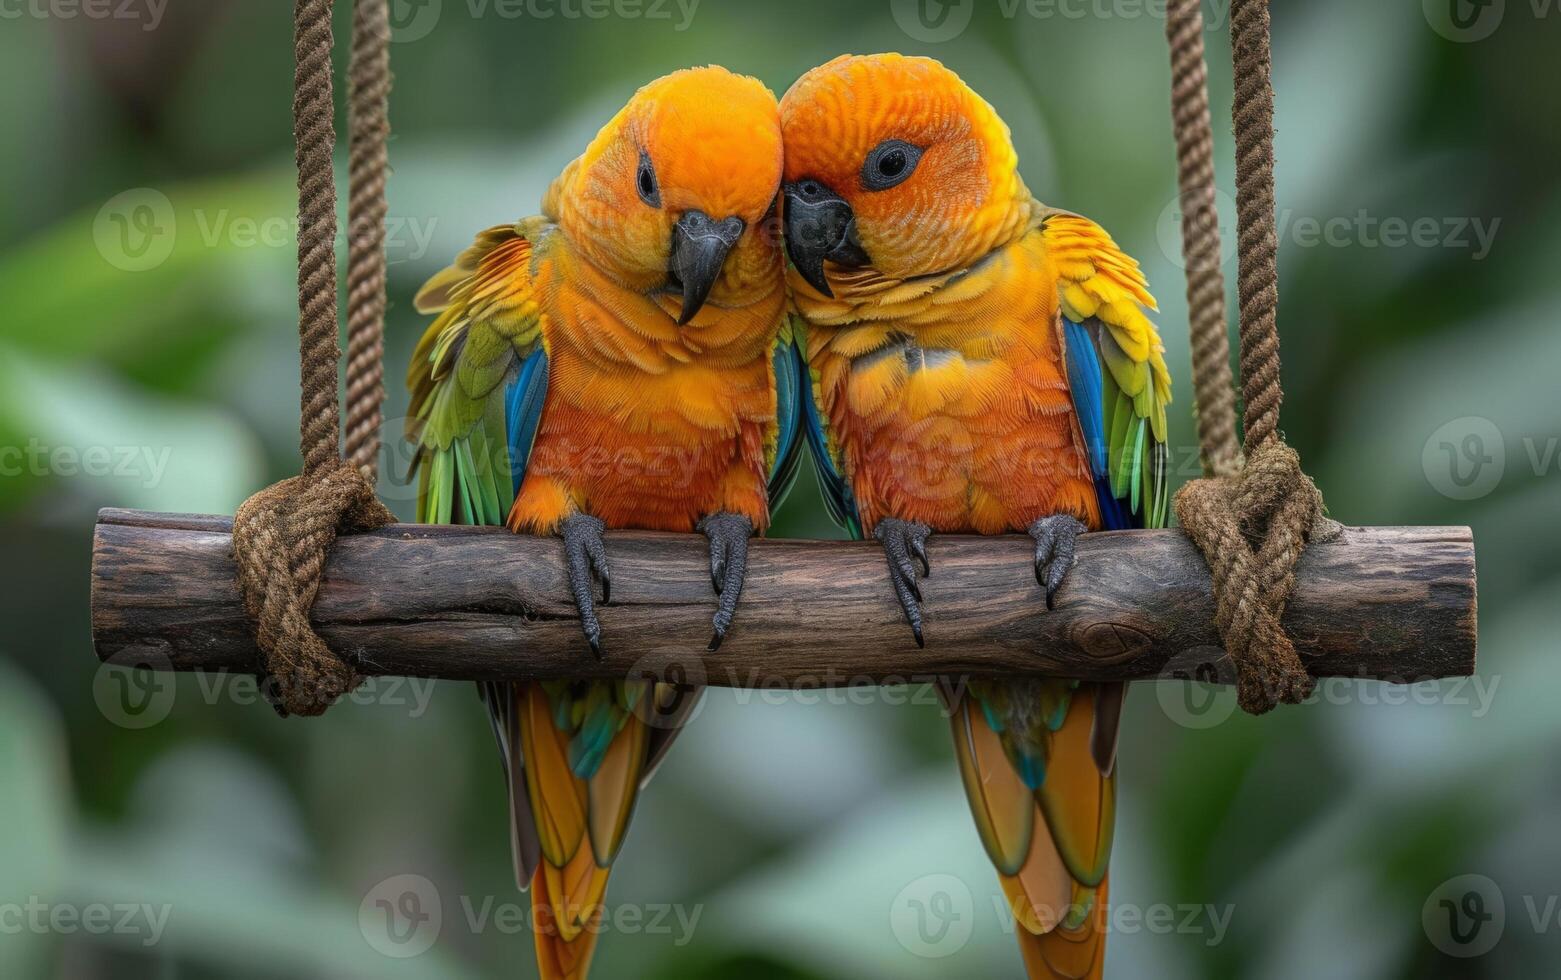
(894, 162)
(673, 192)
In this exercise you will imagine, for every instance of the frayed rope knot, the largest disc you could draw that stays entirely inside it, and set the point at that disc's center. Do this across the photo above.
(1252, 528)
(281, 537)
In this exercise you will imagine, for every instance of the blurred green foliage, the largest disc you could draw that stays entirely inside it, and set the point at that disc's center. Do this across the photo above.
(790, 828)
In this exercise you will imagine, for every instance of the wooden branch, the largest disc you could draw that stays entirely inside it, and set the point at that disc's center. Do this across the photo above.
(454, 602)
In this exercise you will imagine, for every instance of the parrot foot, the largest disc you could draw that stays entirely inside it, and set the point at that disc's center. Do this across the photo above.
(584, 557)
(902, 541)
(1055, 539)
(728, 534)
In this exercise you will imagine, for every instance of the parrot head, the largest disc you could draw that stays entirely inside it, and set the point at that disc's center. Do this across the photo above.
(670, 197)
(895, 163)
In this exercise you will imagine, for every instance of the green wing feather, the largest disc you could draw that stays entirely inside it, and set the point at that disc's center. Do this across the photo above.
(478, 381)
(488, 323)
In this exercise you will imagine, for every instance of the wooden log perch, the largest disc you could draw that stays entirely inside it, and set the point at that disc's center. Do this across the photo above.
(1394, 603)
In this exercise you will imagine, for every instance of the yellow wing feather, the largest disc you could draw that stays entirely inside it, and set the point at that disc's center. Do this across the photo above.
(1100, 280)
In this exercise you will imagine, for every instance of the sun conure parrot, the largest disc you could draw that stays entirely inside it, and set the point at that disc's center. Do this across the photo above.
(980, 363)
(615, 362)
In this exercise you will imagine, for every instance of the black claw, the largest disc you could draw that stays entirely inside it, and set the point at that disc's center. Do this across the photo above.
(585, 557)
(902, 540)
(728, 534)
(1056, 538)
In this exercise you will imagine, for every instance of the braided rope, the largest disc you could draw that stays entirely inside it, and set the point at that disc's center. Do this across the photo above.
(1258, 241)
(1251, 521)
(281, 538)
(283, 534)
(1214, 387)
(366, 209)
(314, 135)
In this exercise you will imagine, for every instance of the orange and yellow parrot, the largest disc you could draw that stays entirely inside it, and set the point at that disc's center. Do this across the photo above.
(615, 362)
(980, 363)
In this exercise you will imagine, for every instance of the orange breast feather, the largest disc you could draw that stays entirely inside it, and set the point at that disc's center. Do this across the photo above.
(952, 406)
(647, 425)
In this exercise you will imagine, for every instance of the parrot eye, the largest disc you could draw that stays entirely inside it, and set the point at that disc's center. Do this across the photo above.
(889, 164)
(646, 182)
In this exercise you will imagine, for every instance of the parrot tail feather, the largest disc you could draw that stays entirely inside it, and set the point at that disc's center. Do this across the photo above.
(1049, 842)
(566, 927)
(1067, 953)
(580, 804)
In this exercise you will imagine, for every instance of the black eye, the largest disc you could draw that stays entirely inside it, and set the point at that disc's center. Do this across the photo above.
(646, 182)
(890, 163)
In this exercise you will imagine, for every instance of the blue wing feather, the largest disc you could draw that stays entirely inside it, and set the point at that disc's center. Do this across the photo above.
(789, 395)
(523, 411)
(1084, 382)
(835, 487)
(1091, 388)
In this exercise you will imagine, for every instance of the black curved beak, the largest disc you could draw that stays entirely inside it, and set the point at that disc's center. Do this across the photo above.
(819, 226)
(699, 248)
